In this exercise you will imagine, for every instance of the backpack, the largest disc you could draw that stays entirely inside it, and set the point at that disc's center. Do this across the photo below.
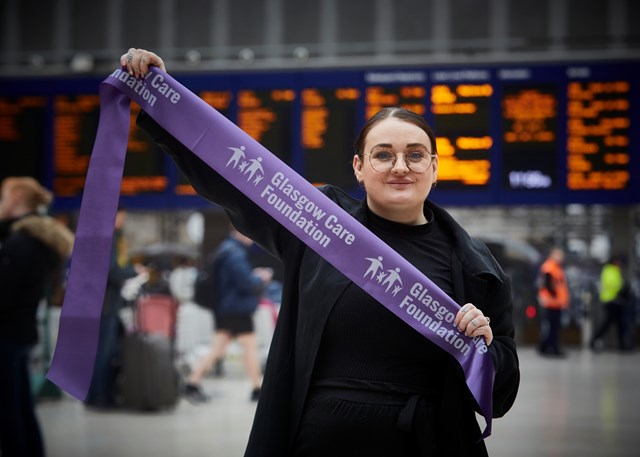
(204, 289)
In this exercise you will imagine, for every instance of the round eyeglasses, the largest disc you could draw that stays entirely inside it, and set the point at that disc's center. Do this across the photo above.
(416, 161)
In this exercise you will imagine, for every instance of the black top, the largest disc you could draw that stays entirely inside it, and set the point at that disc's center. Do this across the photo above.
(365, 345)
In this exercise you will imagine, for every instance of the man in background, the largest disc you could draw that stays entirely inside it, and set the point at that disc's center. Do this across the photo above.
(553, 295)
(616, 298)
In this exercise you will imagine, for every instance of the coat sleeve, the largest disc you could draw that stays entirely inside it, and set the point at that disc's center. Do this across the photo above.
(247, 217)
(503, 349)
(485, 284)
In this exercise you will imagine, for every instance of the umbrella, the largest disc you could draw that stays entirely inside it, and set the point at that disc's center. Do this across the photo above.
(159, 251)
(514, 249)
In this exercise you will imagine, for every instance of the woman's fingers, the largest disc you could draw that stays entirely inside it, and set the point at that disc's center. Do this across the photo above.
(473, 323)
(138, 61)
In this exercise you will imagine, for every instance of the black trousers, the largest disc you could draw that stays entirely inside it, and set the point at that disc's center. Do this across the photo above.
(616, 314)
(550, 342)
(348, 424)
(19, 429)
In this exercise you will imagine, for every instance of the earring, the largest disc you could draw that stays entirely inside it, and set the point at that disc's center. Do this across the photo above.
(435, 183)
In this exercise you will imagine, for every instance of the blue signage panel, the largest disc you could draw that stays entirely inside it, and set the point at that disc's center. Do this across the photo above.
(506, 134)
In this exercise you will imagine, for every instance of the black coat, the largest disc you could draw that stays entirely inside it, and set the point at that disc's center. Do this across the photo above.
(32, 249)
(311, 287)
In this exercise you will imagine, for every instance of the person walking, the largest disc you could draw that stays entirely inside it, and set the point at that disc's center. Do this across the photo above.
(345, 376)
(615, 296)
(553, 296)
(33, 248)
(238, 288)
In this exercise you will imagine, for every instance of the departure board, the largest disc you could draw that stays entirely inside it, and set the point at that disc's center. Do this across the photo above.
(598, 127)
(23, 136)
(76, 123)
(267, 116)
(221, 101)
(507, 134)
(462, 123)
(328, 132)
(408, 96)
(75, 126)
(529, 136)
(144, 165)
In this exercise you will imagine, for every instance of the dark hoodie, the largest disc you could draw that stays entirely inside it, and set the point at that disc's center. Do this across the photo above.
(32, 248)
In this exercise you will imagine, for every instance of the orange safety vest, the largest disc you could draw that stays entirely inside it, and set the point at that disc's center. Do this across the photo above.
(561, 298)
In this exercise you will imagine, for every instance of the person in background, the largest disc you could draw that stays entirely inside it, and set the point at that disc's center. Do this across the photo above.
(238, 291)
(345, 376)
(616, 298)
(553, 295)
(103, 390)
(181, 280)
(32, 248)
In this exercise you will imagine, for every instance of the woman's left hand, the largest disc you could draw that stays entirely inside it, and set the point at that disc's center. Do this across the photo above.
(138, 61)
(473, 322)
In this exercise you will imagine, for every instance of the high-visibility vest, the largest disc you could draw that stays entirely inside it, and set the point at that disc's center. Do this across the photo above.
(561, 298)
(611, 282)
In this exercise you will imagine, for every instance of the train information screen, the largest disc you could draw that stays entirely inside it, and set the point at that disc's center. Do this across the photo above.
(598, 123)
(328, 124)
(529, 137)
(75, 125)
(512, 134)
(463, 127)
(267, 116)
(23, 136)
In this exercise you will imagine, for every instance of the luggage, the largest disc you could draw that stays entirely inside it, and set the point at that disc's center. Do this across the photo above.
(149, 377)
(156, 313)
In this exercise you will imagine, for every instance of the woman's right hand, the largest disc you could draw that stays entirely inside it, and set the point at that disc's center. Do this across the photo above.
(138, 61)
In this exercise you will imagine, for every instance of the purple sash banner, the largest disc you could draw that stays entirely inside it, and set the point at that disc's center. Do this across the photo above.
(287, 197)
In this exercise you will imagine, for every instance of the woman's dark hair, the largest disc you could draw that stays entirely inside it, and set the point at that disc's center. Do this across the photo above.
(400, 113)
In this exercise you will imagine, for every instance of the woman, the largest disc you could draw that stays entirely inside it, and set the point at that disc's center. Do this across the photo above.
(334, 385)
(32, 249)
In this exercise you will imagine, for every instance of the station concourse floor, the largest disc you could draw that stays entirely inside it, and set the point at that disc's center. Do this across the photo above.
(586, 405)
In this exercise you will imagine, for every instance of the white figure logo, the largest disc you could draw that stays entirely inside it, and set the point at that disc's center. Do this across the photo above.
(390, 278)
(251, 167)
(238, 154)
(374, 268)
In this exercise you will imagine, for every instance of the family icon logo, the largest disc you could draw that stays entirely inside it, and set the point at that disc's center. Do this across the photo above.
(251, 167)
(390, 278)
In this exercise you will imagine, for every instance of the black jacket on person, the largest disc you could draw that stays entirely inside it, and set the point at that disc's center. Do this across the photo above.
(311, 287)
(31, 249)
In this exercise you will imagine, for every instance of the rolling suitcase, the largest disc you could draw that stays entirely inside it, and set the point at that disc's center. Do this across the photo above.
(149, 379)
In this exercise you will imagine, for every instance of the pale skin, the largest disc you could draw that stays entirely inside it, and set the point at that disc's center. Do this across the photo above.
(397, 195)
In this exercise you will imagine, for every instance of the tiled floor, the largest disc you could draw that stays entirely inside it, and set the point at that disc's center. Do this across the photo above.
(587, 405)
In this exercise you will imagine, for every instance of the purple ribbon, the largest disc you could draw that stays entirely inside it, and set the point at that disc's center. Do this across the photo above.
(281, 192)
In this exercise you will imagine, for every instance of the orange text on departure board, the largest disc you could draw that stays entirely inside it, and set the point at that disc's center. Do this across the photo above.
(69, 161)
(529, 112)
(254, 117)
(315, 114)
(598, 135)
(462, 100)
(409, 97)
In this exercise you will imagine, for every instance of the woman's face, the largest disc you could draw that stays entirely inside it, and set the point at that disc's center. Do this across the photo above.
(398, 194)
